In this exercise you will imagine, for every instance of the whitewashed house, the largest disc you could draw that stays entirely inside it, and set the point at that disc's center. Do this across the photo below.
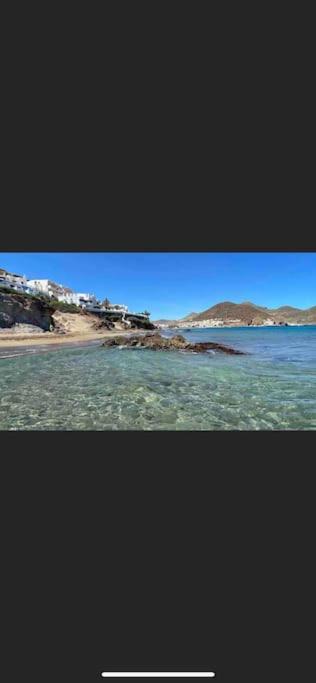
(63, 294)
(50, 288)
(17, 279)
(82, 299)
(41, 286)
(14, 281)
(118, 307)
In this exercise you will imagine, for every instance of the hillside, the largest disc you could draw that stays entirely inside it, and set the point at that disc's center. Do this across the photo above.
(167, 322)
(227, 310)
(247, 313)
(27, 314)
(296, 315)
(191, 316)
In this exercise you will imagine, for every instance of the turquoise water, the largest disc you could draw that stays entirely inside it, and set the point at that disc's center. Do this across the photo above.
(92, 388)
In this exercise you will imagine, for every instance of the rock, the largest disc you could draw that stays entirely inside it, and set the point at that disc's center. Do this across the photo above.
(140, 323)
(103, 323)
(16, 308)
(156, 342)
(19, 329)
(116, 319)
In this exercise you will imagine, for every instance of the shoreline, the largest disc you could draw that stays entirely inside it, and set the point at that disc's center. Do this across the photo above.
(51, 338)
(187, 328)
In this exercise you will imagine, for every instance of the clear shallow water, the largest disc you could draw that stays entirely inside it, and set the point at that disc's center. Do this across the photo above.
(274, 387)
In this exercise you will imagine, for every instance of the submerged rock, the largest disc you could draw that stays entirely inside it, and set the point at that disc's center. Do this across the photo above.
(158, 343)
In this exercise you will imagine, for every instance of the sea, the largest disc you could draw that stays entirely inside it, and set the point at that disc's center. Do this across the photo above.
(89, 387)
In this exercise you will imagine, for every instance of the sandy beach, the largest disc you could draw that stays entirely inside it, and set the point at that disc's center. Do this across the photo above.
(13, 341)
(73, 328)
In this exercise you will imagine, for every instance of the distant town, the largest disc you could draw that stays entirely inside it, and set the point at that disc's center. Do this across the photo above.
(84, 300)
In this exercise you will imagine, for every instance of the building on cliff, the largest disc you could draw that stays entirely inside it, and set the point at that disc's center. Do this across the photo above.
(117, 307)
(63, 294)
(82, 299)
(14, 281)
(12, 278)
(50, 288)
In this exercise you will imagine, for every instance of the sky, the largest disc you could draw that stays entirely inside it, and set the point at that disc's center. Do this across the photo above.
(172, 285)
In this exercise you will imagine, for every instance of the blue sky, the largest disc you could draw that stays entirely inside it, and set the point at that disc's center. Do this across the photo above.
(171, 285)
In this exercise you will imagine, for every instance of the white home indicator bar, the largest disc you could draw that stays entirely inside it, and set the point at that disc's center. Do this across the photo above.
(158, 674)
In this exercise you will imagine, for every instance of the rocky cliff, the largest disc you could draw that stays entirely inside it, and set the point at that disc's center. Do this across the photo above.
(140, 323)
(16, 308)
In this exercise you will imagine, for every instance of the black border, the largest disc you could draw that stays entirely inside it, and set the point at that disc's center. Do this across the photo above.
(138, 553)
(239, 216)
(158, 551)
(156, 233)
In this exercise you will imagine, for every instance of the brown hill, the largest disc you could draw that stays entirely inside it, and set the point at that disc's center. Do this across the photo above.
(187, 318)
(249, 313)
(286, 309)
(165, 321)
(294, 315)
(227, 310)
(191, 316)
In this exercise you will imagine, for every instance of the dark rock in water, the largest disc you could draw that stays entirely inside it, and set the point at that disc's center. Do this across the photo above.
(16, 308)
(156, 342)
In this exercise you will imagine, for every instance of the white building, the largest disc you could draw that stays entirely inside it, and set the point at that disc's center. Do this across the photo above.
(64, 294)
(117, 307)
(82, 299)
(50, 288)
(57, 291)
(41, 286)
(4, 281)
(14, 281)
(13, 278)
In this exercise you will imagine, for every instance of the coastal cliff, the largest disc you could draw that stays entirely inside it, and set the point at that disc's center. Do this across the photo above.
(20, 309)
(28, 315)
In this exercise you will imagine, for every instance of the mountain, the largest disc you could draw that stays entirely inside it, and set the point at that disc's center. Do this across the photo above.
(246, 313)
(227, 310)
(171, 323)
(164, 321)
(287, 309)
(249, 313)
(191, 316)
(296, 315)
